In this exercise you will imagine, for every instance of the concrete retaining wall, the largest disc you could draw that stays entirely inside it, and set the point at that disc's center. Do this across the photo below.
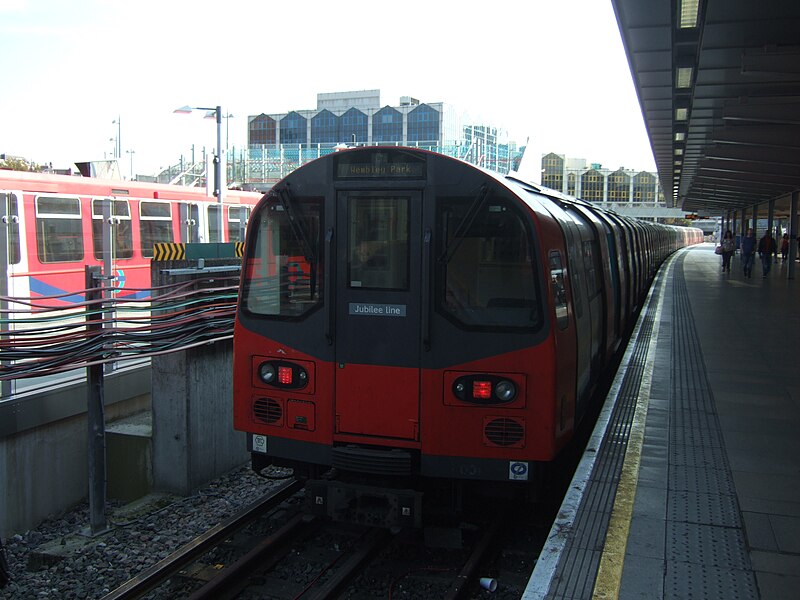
(193, 436)
(43, 438)
(44, 470)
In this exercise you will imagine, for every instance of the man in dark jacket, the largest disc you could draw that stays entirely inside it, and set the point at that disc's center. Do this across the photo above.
(748, 252)
(766, 248)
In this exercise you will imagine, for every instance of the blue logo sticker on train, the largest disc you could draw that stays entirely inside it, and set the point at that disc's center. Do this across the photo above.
(518, 471)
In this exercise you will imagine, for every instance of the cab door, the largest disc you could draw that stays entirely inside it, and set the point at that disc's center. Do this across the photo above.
(378, 313)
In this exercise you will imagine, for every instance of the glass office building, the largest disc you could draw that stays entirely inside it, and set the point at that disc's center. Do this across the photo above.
(281, 142)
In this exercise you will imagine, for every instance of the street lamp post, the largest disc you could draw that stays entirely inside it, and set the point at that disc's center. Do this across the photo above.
(131, 153)
(118, 142)
(218, 185)
(227, 125)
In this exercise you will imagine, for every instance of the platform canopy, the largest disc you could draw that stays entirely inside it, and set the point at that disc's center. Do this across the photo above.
(719, 86)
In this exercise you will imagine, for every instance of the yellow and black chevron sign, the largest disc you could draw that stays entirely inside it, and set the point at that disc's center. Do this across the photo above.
(164, 251)
(239, 249)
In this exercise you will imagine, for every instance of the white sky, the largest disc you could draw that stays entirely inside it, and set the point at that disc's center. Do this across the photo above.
(551, 71)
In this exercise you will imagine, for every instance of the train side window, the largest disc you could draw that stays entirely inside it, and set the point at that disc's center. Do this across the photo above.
(591, 262)
(122, 231)
(237, 221)
(10, 210)
(558, 285)
(59, 232)
(155, 225)
(486, 273)
(283, 275)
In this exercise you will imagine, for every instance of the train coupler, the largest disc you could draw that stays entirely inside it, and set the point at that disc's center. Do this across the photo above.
(367, 505)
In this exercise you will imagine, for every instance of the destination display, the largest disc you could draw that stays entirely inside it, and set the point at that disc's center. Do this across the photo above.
(380, 165)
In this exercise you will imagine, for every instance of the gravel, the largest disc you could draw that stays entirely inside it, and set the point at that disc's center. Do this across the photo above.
(93, 566)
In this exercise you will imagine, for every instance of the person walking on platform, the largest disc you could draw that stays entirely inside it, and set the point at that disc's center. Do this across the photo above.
(766, 248)
(728, 248)
(785, 247)
(748, 252)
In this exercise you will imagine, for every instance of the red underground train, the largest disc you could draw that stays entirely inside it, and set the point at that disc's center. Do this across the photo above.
(406, 318)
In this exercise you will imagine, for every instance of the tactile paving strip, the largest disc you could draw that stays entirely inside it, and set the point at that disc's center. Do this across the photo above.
(577, 569)
(706, 554)
(690, 580)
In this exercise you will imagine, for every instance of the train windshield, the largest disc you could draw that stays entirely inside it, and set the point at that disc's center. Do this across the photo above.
(486, 274)
(283, 274)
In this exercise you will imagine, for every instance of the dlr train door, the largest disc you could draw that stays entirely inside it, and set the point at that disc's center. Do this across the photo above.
(377, 335)
(189, 215)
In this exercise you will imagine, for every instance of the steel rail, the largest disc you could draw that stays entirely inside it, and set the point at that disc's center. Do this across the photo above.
(164, 569)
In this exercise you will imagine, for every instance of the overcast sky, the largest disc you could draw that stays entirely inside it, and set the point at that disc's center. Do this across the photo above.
(553, 72)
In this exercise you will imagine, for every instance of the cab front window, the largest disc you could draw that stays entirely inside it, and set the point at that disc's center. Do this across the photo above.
(486, 274)
(283, 274)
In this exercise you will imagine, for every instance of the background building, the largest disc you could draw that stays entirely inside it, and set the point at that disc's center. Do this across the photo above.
(591, 182)
(277, 143)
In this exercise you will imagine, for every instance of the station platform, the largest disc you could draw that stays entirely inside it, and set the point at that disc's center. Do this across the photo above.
(690, 484)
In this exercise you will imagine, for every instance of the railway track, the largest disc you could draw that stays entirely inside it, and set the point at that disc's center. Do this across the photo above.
(310, 558)
(154, 576)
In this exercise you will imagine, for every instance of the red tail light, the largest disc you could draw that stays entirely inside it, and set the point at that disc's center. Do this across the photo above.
(481, 389)
(285, 375)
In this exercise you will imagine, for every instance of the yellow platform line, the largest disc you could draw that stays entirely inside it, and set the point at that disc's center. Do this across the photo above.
(609, 574)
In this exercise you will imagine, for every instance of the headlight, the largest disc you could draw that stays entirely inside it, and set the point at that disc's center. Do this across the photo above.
(267, 373)
(505, 391)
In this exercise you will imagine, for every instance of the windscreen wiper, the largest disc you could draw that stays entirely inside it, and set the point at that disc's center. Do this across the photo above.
(463, 227)
(288, 202)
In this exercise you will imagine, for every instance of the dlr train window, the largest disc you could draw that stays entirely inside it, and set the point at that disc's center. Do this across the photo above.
(237, 221)
(283, 267)
(59, 235)
(155, 225)
(486, 275)
(121, 232)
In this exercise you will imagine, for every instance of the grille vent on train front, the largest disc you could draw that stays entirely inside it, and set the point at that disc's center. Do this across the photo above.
(376, 462)
(504, 432)
(267, 410)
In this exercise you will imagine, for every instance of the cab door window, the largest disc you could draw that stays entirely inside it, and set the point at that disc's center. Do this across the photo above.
(378, 243)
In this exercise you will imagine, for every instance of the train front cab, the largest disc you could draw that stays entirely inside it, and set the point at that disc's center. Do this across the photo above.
(420, 338)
